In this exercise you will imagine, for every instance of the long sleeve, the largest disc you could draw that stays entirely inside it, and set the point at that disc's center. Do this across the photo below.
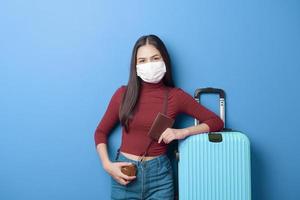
(110, 117)
(188, 105)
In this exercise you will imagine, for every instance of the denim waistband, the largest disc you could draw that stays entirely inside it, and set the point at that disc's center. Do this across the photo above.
(159, 159)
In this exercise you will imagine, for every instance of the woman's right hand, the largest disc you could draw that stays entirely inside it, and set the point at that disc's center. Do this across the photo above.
(114, 169)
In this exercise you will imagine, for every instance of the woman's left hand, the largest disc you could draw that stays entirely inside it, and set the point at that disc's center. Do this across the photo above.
(171, 134)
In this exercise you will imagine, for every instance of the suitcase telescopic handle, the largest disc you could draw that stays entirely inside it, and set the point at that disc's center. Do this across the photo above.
(210, 90)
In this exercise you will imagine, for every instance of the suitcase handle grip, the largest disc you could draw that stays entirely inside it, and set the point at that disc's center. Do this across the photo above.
(210, 90)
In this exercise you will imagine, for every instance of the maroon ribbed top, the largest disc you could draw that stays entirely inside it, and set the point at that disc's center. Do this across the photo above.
(149, 104)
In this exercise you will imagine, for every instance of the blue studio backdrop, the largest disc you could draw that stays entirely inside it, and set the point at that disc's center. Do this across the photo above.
(61, 61)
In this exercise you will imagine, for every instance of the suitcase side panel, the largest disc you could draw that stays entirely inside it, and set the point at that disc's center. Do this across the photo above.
(214, 171)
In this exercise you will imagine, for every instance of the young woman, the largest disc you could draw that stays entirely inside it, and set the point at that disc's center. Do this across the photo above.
(135, 106)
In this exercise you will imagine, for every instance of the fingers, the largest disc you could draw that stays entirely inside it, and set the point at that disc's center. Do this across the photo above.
(122, 181)
(128, 178)
(166, 135)
(167, 138)
(124, 177)
(161, 137)
(119, 176)
(124, 163)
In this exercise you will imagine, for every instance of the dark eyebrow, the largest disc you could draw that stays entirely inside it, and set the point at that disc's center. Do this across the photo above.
(154, 55)
(151, 56)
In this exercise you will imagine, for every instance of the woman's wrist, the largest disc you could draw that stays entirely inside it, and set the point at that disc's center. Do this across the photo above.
(183, 133)
(106, 165)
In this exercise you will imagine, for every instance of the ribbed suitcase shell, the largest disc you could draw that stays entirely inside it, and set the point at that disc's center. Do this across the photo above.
(214, 170)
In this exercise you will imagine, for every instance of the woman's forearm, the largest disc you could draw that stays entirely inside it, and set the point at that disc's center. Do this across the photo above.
(102, 152)
(171, 133)
(192, 130)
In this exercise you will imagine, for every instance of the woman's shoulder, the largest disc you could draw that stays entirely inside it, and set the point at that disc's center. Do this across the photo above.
(122, 88)
(181, 95)
(119, 91)
(177, 91)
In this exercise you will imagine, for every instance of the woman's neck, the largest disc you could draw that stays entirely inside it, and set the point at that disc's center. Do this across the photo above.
(147, 85)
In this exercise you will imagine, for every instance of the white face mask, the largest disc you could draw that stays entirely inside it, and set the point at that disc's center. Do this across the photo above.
(151, 72)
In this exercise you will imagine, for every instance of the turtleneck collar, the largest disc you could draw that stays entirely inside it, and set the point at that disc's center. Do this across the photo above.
(146, 85)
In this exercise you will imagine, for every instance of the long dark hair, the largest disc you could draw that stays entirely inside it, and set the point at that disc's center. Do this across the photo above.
(131, 94)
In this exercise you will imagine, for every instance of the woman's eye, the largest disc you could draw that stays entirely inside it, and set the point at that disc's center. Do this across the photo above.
(157, 58)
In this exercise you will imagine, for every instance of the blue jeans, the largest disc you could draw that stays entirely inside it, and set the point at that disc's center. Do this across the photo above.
(154, 180)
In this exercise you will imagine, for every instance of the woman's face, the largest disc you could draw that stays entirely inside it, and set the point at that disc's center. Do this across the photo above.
(147, 53)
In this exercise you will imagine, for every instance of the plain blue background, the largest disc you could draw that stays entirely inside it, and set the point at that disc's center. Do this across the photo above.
(61, 61)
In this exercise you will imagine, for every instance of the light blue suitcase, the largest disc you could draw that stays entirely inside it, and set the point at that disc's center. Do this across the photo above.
(214, 166)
